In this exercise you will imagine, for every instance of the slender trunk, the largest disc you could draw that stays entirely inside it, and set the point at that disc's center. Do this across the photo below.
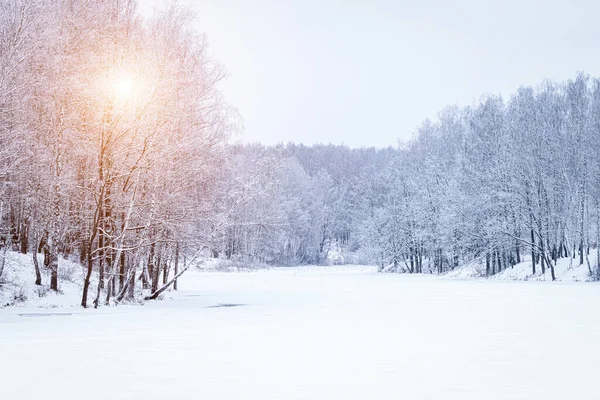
(131, 285)
(121, 270)
(110, 289)
(543, 256)
(52, 260)
(144, 277)
(598, 243)
(100, 278)
(97, 299)
(101, 263)
(582, 218)
(552, 270)
(86, 281)
(3, 250)
(156, 273)
(113, 282)
(54, 272)
(165, 271)
(129, 288)
(533, 251)
(150, 266)
(24, 239)
(176, 266)
(90, 263)
(498, 255)
(36, 265)
(560, 250)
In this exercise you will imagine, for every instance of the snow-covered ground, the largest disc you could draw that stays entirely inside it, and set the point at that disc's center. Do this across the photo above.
(319, 333)
(18, 288)
(566, 270)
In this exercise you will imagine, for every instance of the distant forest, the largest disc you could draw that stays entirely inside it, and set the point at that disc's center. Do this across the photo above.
(497, 182)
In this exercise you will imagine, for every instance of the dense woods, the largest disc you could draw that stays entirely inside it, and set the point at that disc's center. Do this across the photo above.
(111, 132)
(498, 183)
(115, 152)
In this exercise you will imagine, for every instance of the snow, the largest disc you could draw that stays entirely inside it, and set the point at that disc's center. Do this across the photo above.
(566, 270)
(19, 288)
(314, 333)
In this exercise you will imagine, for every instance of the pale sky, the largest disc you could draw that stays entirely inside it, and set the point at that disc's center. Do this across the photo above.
(367, 73)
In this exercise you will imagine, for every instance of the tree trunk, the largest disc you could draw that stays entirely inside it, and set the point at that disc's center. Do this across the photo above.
(144, 277)
(53, 266)
(121, 270)
(158, 292)
(36, 265)
(51, 259)
(97, 299)
(533, 251)
(156, 273)
(597, 270)
(101, 262)
(176, 266)
(3, 250)
(110, 289)
(150, 266)
(165, 271)
(582, 217)
(24, 239)
(131, 285)
(542, 256)
(552, 270)
(86, 281)
(499, 256)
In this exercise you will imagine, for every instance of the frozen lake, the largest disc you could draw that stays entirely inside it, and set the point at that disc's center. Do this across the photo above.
(339, 333)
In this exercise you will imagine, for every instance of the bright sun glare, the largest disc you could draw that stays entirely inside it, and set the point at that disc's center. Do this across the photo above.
(123, 87)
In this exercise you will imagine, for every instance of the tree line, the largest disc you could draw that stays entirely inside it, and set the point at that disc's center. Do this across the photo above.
(496, 183)
(500, 182)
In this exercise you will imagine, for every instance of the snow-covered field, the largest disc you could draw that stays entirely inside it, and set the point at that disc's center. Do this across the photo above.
(320, 333)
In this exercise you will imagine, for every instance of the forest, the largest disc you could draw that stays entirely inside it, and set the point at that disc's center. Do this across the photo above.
(118, 151)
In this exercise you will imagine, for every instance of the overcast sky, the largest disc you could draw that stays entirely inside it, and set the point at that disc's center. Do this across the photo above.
(368, 72)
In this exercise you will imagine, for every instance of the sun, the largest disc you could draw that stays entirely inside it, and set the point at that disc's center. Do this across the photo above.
(123, 87)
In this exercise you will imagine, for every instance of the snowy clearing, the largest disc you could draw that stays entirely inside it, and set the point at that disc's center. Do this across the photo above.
(319, 333)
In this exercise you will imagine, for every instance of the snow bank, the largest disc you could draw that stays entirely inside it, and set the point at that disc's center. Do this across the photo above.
(566, 270)
(18, 283)
(18, 289)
